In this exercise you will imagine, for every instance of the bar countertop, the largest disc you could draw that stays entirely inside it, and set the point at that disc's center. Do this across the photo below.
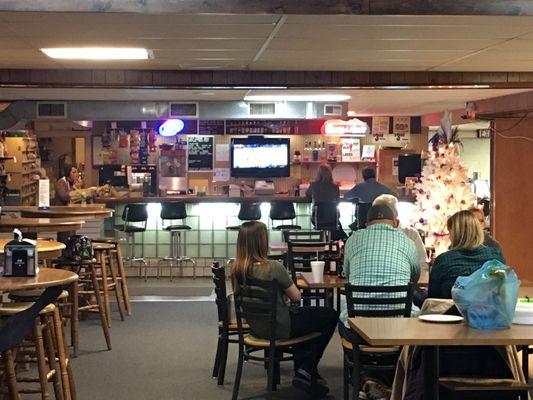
(200, 199)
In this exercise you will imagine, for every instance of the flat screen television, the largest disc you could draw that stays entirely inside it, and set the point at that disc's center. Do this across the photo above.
(260, 157)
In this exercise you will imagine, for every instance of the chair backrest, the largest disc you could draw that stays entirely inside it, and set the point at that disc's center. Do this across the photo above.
(300, 255)
(135, 212)
(221, 295)
(250, 211)
(304, 236)
(282, 210)
(326, 215)
(362, 211)
(173, 210)
(256, 300)
(379, 301)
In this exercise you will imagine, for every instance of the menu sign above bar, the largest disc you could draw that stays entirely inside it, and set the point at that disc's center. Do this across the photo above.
(211, 127)
(200, 149)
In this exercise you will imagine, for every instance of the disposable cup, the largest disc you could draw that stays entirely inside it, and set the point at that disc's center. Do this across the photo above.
(317, 267)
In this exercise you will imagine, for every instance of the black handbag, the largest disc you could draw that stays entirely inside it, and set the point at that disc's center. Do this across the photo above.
(78, 248)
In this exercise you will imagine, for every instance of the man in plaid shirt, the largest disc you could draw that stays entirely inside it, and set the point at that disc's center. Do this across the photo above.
(379, 255)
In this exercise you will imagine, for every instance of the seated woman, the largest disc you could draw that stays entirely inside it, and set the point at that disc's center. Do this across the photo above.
(466, 255)
(251, 261)
(324, 190)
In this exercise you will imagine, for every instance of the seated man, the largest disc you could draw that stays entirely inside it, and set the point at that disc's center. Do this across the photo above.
(379, 255)
(367, 191)
(411, 233)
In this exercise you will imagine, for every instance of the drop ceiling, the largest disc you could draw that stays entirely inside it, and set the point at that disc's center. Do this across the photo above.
(273, 42)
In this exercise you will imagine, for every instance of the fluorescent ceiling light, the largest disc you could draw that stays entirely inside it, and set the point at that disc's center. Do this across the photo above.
(298, 97)
(97, 53)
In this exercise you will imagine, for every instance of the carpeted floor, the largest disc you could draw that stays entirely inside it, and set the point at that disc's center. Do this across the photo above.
(165, 351)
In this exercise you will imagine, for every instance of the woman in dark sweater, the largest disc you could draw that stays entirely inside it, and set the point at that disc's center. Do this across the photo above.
(324, 190)
(466, 255)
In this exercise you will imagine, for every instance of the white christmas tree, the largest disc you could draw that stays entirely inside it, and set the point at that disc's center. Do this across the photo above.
(443, 188)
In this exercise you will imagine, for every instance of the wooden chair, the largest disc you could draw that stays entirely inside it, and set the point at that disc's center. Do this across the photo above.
(227, 329)
(482, 388)
(256, 301)
(372, 301)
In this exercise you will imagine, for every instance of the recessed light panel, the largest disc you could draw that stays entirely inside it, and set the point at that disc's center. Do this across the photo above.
(97, 53)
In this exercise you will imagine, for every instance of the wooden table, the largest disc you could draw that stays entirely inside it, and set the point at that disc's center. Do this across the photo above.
(282, 247)
(46, 277)
(412, 331)
(47, 249)
(72, 212)
(328, 282)
(32, 226)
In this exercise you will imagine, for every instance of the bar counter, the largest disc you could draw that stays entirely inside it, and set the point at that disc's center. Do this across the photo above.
(208, 216)
(200, 199)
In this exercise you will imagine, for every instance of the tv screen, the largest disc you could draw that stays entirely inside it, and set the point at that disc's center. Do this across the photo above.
(260, 157)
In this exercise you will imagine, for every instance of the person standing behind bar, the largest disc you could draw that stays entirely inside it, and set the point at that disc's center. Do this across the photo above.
(369, 190)
(64, 185)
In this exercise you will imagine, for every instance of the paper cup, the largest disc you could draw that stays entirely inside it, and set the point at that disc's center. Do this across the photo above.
(317, 267)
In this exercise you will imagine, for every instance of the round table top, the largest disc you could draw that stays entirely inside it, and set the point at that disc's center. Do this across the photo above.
(73, 211)
(46, 277)
(33, 225)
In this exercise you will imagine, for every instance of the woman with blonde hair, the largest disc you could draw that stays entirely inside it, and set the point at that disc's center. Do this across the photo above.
(251, 261)
(466, 255)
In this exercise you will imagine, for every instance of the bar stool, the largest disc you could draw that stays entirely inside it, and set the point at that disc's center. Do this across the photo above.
(174, 211)
(247, 212)
(89, 293)
(45, 346)
(102, 253)
(116, 253)
(67, 304)
(134, 213)
(282, 211)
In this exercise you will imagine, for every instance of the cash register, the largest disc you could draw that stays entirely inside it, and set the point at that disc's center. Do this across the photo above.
(264, 188)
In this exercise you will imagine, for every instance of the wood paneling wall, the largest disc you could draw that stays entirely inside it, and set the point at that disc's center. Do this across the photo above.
(512, 188)
(119, 78)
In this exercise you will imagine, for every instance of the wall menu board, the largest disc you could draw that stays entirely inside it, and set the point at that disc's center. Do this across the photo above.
(200, 153)
(211, 127)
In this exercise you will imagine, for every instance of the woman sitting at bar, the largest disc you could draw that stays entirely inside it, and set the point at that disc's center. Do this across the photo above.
(64, 185)
(466, 255)
(252, 261)
(324, 190)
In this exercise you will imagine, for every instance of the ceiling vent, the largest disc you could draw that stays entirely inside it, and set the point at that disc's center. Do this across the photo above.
(51, 109)
(332, 110)
(262, 109)
(183, 109)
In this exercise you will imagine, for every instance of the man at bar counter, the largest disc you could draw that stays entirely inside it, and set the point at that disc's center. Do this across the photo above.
(67, 183)
(367, 191)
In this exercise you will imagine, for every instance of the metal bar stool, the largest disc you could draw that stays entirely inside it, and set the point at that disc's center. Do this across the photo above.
(247, 212)
(135, 217)
(174, 211)
(282, 211)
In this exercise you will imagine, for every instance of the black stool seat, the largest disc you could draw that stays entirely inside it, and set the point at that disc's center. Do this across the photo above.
(177, 228)
(134, 229)
(233, 228)
(287, 227)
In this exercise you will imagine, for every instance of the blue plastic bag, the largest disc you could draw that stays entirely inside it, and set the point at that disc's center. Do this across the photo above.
(487, 298)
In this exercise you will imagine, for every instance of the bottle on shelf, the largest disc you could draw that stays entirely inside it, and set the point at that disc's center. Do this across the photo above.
(306, 156)
(315, 152)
